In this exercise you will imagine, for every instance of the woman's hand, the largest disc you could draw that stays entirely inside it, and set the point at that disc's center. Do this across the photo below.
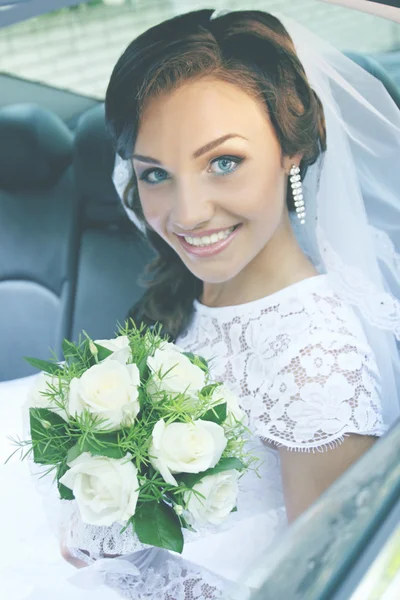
(75, 562)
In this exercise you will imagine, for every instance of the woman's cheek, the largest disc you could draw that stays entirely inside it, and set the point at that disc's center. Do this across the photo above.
(154, 211)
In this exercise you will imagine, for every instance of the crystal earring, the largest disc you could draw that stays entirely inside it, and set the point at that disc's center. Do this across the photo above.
(297, 191)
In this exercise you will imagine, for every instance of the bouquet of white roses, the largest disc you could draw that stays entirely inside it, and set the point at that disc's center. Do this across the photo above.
(137, 434)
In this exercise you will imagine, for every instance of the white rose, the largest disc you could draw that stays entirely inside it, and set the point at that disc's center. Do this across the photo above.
(186, 447)
(120, 348)
(218, 497)
(223, 394)
(178, 374)
(36, 397)
(108, 390)
(106, 489)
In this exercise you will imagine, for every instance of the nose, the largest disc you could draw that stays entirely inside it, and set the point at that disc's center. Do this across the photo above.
(192, 209)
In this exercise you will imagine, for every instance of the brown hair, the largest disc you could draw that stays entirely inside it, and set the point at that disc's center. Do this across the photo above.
(251, 49)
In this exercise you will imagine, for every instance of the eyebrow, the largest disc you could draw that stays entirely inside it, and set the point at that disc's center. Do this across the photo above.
(207, 148)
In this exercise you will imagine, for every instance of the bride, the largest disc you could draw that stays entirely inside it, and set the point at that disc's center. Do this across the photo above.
(260, 164)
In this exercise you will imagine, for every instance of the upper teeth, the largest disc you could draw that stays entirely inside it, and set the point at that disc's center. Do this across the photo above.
(209, 239)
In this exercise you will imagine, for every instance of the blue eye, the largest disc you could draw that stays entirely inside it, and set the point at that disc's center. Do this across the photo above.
(224, 165)
(154, 176)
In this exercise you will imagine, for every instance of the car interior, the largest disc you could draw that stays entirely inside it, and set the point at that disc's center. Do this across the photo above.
(71, 261)
(60, 276)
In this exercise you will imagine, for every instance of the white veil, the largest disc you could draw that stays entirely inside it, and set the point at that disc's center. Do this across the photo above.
(352, 198)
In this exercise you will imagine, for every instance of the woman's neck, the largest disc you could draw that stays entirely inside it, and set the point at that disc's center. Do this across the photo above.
(280, 264)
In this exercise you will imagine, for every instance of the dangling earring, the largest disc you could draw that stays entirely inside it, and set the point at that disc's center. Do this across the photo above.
(297, 191)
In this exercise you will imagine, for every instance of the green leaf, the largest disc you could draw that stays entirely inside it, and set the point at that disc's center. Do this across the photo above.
(73, 453)
(142, 398)
(225, 464)
(228, 464)
(104, 444)
(77, 353)
(216, 414)
(48, 433)
(69, 350)
(103, 352)
(208, 389)
(65, 492)
(202, 363)
(143, 369)
(44, 365)
(129, 523)
(197, 360)
(55, 420)
(157, 524)
(186, 525)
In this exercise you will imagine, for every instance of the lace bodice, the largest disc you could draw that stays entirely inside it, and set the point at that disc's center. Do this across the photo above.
(299, 362)
(301, 366)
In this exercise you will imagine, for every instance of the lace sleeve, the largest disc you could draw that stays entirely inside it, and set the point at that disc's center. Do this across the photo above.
(324, 386)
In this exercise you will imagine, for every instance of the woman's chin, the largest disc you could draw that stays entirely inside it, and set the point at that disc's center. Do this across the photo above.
(214, 274)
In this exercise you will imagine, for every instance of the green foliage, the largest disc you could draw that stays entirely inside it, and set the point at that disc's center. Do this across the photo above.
(102, 353)
(56, 442)
(44, 365)
(225, 464)
(208, 390)
(197, 360)
(65, 492)
(216, 414)
(103, 444)
(157, 524)
(50, 438)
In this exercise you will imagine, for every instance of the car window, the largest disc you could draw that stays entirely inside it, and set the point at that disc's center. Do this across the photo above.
(347, 545)
(383, 577)
(75, 48)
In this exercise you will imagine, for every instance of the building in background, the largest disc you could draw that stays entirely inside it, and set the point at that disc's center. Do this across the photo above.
(76, 48)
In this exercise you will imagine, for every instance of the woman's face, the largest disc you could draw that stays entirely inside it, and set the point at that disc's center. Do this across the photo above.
(207, 160)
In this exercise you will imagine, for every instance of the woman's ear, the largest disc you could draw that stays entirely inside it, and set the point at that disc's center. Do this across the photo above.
(289, 161)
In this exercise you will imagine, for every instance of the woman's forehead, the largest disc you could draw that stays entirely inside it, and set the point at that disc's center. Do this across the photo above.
(200, 110)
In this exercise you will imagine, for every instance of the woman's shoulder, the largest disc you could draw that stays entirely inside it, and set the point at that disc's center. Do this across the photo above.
(282, 320)
(324, 382)
(309, 309)
(316, 321)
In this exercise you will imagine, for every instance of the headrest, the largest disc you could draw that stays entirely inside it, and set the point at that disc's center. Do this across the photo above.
(377, 70)
(93, 160)
(35, 147)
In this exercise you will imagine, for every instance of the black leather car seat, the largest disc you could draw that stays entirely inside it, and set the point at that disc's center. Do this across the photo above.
(112, 253)
(38, 236)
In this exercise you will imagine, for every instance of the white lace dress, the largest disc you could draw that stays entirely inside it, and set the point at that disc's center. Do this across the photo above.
(302, 368)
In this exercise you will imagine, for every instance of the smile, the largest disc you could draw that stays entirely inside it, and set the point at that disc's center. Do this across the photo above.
(209, 245)
(208, 240)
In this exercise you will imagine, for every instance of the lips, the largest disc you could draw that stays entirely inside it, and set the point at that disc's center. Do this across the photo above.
(212, 249)
(207, 232)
